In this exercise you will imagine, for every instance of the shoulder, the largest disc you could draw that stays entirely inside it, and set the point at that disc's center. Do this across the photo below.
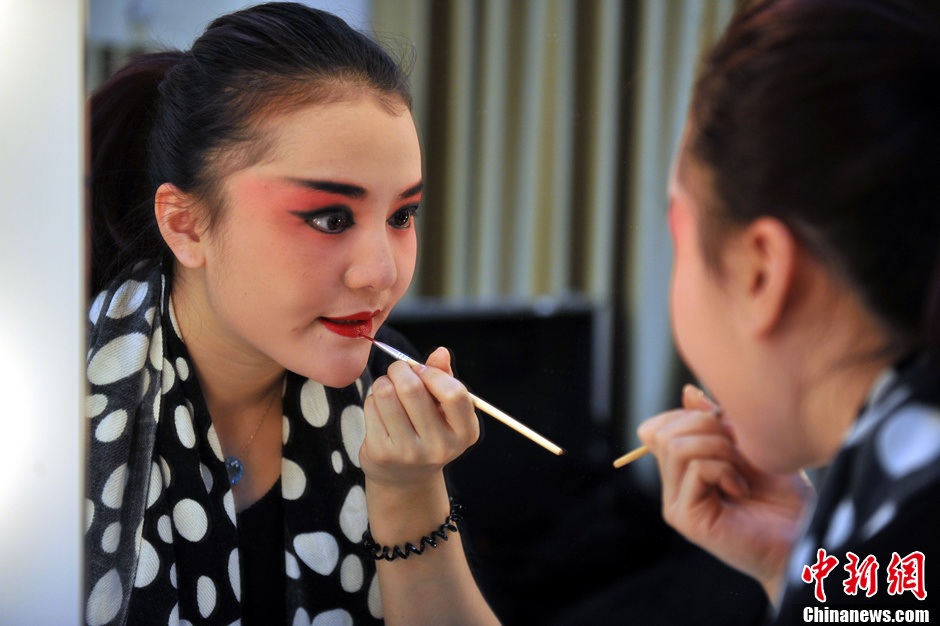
(135, 289)
(880, 502)
(883, 478)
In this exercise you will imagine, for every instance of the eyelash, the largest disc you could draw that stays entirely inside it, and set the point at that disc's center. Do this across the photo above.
(339, 219)
(409, 212)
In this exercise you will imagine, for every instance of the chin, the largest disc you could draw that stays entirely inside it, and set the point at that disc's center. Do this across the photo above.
(769, 457)
(337, 380)
(340, 371)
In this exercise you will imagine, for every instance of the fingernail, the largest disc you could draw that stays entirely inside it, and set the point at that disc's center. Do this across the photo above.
(698, 394)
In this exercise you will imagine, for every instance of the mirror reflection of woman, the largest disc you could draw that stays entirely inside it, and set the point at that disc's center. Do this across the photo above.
(253, 210)
(805, 297)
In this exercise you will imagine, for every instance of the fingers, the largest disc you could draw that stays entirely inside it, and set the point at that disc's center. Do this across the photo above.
(425, 403)
(389, 408)
(440, 359)
(696, 456)
(695, 398)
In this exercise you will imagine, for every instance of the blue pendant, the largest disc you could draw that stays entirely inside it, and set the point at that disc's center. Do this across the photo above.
(234, 468)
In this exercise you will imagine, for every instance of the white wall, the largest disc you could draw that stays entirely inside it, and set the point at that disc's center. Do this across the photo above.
(41, 427)
(176, 23)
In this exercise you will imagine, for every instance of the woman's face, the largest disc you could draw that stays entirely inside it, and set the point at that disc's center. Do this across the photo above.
(697, 306)
(706, 323)
(316, 242)
(711, 313)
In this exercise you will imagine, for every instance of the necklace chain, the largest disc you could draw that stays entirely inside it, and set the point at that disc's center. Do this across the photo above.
(234, 465)
(264, 415)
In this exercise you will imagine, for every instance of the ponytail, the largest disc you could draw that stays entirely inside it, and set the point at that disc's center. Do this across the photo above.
(123, 229)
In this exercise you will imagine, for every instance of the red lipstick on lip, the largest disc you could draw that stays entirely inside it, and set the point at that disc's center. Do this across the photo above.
(352, 326)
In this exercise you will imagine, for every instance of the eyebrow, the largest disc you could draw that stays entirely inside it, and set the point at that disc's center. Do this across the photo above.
(348, 190)
(411, 191)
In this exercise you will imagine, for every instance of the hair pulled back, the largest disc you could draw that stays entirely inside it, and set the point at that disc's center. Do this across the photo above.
(181, 117)
(825, 114)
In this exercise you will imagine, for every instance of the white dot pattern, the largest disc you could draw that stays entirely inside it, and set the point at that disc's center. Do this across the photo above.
(111, 537)
(336, 617)
(205, 596)
(127, 299)
(909, 441)
(111, 427)
(149, 565)
(160, 512)
(313, 404)
(840, 526)
(190, 520)
(354, 431)
(318, 551)
(169, 376)
(104, 602)
(351, 573)
(184, 426)
(353, 517)
(113, 493)
(880, 492)
(95, 404)
(117, 359)
(293, 480)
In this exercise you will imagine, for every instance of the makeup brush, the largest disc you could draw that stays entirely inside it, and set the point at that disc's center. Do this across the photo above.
(479, 403)
(640, 451)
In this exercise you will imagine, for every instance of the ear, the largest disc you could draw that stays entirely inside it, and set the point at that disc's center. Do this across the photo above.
(178, 218)
(764, 266)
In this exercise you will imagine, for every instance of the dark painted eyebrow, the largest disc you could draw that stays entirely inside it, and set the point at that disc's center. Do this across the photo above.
(350, 191)
(342, 189)
(407, 193)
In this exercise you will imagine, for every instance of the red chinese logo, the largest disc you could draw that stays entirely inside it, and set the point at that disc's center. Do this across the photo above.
(862, 575)
(907, 574)
(903, 574)
(818, 572)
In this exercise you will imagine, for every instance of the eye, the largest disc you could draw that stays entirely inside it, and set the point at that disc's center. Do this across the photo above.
(404, 217)
(331, 221)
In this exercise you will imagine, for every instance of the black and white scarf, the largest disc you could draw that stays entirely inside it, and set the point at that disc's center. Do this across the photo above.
(161, 535)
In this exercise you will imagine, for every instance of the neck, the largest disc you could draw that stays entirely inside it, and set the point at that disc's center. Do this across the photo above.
(235, 378)
(847, 357)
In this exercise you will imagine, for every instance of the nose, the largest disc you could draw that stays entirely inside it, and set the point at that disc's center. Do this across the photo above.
(372, 263)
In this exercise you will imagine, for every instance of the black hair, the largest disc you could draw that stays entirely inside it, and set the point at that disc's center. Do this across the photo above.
(181, 117)
(825, 114)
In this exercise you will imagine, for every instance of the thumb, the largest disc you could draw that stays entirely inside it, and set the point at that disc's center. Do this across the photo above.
(440, 359)
(695, 399)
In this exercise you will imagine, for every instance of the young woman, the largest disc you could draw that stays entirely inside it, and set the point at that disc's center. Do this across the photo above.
(253, 218)
(805, 298)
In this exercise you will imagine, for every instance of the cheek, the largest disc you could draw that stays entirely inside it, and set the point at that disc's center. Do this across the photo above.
(405, 251)
(679, 309)
(671, 218)
(688, 301)
(681, 283)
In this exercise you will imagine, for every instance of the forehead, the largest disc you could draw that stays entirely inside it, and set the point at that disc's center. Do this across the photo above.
(358, 128)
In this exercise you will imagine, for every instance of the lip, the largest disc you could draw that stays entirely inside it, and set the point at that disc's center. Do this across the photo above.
(353, 326)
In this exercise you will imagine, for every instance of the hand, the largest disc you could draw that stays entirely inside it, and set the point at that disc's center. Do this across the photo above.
(716, 499)
(418, 419)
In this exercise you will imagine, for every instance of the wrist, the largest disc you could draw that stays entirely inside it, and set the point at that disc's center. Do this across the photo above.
(381, 552)
(399, 513)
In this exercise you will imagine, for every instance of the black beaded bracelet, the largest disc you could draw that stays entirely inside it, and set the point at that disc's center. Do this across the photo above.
(378, 552)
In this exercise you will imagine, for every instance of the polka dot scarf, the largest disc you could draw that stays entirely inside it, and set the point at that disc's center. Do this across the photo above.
(881, 494)
(161, 534)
